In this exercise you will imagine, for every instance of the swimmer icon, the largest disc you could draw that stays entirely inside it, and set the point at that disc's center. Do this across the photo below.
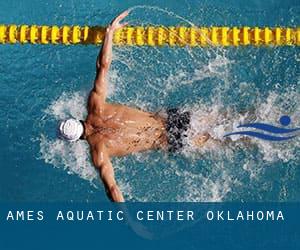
(268, 132)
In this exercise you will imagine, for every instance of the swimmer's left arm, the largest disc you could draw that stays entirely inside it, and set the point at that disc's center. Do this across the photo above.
(103, 164)
(105, 56)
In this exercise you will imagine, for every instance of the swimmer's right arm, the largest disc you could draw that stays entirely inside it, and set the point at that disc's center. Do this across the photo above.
(103, 164)
(105, 56)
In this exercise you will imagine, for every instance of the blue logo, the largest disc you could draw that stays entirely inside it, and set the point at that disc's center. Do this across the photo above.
(281, 133)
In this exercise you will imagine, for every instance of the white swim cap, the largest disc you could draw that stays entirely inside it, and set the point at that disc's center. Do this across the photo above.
(70, 130)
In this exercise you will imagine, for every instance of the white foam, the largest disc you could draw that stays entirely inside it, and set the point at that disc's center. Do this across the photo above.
(73, 157)
(214, 118)
(174, 182)
(271, 110)
(216, 121)
(68, 105)
(200, 188)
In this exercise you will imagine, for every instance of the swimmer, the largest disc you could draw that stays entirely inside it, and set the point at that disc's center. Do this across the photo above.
(114, 130)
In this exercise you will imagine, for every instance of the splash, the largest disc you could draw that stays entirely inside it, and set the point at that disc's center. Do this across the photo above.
(192, 184)
(213, 188)
(217, 120)
(277, 104)
(217, 86)
(74, 157)
(68, 105)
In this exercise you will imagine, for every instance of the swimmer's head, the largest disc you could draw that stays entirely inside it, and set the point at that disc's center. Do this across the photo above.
(70, 130)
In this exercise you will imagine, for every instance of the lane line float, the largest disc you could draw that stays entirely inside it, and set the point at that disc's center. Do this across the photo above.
(152, 35)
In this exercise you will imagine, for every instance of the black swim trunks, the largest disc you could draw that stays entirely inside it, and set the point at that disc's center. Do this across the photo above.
(177, 125)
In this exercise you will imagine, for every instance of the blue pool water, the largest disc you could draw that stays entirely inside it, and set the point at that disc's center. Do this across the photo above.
(42, 84)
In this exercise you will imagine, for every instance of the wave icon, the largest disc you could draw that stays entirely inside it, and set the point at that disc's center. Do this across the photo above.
(282, 134)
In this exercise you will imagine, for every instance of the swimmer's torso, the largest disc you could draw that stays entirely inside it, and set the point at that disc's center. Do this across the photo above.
(124, 130)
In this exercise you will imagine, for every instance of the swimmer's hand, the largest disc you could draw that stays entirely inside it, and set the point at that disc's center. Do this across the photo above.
(115, 24)
(105, 57)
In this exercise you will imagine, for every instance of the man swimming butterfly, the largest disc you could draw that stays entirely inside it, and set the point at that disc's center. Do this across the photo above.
(117, 130)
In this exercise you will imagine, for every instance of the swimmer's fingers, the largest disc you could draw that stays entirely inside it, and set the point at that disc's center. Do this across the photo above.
(115, 24)
(122, 25)
(122, 16)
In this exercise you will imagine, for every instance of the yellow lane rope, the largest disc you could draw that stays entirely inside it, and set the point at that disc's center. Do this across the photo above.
(152, 35)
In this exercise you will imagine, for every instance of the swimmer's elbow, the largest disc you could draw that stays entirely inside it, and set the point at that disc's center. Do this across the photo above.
(105, 63)
(99, 163)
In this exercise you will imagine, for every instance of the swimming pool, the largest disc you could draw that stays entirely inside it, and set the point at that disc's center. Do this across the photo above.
(42, 84)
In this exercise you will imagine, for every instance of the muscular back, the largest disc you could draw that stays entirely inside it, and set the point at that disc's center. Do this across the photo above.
(123, 129)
